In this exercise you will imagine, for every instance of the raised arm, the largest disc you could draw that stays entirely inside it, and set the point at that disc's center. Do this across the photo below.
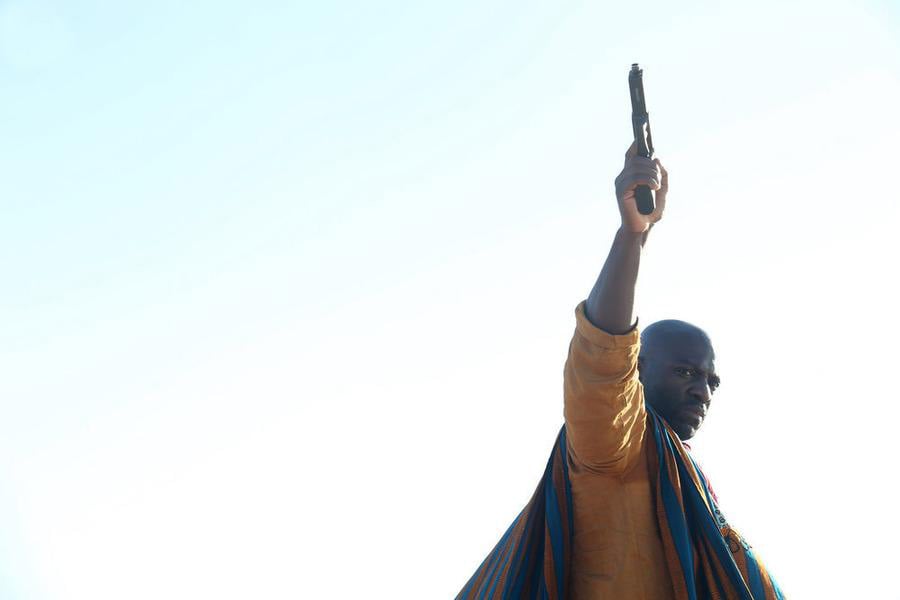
(610, 305)
(605, 415)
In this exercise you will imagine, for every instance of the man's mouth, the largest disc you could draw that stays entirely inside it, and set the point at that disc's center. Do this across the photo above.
(693, 414)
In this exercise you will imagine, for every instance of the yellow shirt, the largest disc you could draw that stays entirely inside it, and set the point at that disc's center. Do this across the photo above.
(617, 551)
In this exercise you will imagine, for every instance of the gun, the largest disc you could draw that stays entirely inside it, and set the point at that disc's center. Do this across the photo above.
(640, 122)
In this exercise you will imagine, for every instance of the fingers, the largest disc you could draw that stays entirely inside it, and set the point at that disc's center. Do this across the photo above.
(638, 171)
(661, 193)
(642, 163)
(624, 186)
(660, 207)
(664, 175)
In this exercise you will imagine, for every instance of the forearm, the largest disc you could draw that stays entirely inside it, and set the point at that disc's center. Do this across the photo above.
(610, 305)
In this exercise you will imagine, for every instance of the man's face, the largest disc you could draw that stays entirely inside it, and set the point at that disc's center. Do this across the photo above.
(679, 377)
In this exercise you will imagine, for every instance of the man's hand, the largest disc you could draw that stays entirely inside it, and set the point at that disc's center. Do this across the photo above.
(639, 170)
(610, 305)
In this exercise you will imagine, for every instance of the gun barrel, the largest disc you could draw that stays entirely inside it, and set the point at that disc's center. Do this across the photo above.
(636, 86)
(640, 119)
(640, 122)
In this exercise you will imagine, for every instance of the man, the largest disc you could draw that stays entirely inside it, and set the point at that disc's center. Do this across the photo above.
(622, 511)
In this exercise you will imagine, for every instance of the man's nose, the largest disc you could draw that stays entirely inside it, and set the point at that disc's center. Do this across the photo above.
(700, 392)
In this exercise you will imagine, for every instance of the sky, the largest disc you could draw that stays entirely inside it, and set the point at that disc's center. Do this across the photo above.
(287, 288)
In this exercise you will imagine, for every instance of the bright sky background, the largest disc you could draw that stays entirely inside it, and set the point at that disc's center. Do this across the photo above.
(286, 289)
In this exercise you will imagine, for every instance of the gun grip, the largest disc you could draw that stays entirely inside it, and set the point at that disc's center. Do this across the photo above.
(643, 197)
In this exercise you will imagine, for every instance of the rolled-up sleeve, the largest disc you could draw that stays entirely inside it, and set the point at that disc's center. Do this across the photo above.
(604, 400)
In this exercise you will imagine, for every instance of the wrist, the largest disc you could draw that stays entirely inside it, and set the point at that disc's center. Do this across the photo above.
(632, 237)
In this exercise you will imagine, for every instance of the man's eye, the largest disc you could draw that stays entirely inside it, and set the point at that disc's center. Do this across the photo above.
(684, 372)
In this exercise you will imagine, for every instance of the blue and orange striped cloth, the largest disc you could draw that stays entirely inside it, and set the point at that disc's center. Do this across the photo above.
(706, 557)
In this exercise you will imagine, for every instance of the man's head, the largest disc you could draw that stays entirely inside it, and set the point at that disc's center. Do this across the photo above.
(677, 369)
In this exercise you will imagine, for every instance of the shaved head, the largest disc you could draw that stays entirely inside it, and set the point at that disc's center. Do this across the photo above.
(677, 370)
(662, 335)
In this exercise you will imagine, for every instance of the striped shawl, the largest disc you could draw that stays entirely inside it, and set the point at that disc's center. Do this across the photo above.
(706, 557)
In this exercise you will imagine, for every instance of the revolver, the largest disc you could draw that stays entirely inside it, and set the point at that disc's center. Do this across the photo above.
(640, 122)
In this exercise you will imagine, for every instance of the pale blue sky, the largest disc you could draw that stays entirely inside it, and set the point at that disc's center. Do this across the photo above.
(250, 253)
